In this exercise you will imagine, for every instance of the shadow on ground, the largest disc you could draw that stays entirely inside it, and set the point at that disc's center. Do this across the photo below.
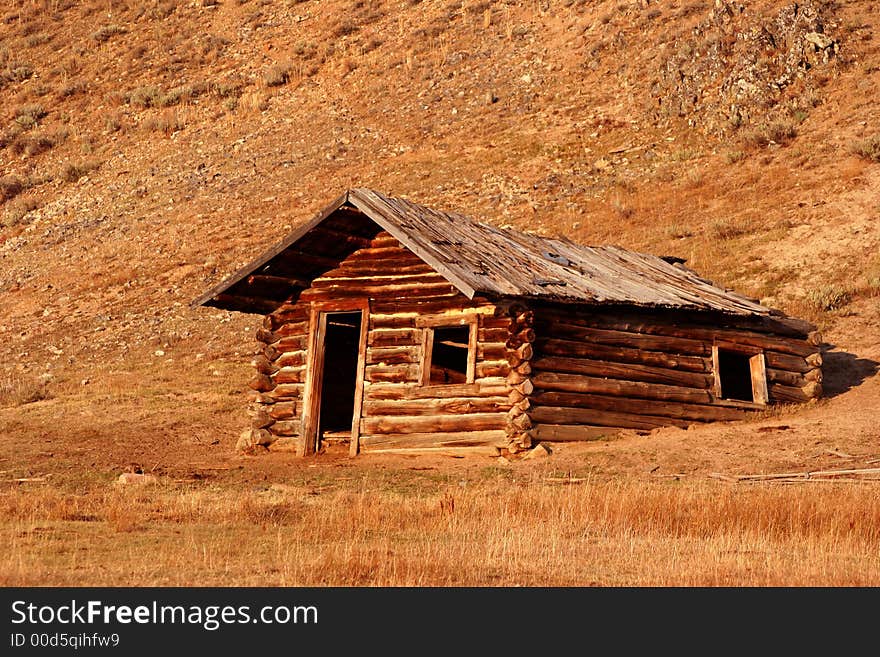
(842, 371)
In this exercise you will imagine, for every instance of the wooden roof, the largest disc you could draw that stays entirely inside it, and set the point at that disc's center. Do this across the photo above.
(474, 257)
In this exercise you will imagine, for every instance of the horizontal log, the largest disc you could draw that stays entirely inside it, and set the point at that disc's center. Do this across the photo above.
(489, 387)
(697, 412)
(381, 252)
(570, 432)
(393, 355)
(286, 391)
(392, 373)
(292, 328)
(291, 343)
(455, 452)
(783, 393)
(526, 387)
(347, 279)
(266, 337)
(564, 415)
(552, 381)
(662, 343)
(269, 352)
(397, 293)
(290, 375)
(263, 365)
(261, 419)
(382, 266)
(433, 423)
(288, 313)
(571, 348)
(437, 304)
(291, 359)
(261, 382)
(522, 422)
(497, 335)
(491, 350)
(627, 371)
(284, 410)
(787, 378)
(492, 368)
(446, 406)
(437, 439)
(286, 428)
(261, 397)
(394, 337)
(676, 328)
(515, 378)
(495, 323)
(787, 362)
(392, 321)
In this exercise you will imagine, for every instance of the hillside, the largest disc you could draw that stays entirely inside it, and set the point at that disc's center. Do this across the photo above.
(150, 148)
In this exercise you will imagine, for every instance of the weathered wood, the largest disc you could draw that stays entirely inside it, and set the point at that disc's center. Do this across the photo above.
(492, 368)
(450, 405)
(786, 362)
(286, 428)
(522, 422)
(392, 373)
(491, 351)
(406, 320)
(758, 371)
(394, 292)
(552, 381)
(492, 335)
(526, 387)
(663, 343)
(432, 423)
(795, 379)
(263, 365)
(291, 359)
(261, 382)
(266, 337)
(292, 328)
(565, 415)
(287, 391)
(393, 355)
(628, 371)
(783, 393)
(438, 439)
(675, 327)
(455, 452)
(570, 432)
(341, 277)
(696, 412)
(360, 381)
(488, 387)
(261, 419)
(569, 348)
(290, 343)
(290, 375)
(394, 337)
(423, 306)
(284, 410)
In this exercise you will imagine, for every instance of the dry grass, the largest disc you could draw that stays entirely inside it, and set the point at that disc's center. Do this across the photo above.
(868, 148)
(489, 531)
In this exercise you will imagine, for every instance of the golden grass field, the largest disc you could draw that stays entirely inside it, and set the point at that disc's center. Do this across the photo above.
(492, 527)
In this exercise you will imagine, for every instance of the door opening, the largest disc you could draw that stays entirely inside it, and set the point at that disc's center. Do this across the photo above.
(339, 380)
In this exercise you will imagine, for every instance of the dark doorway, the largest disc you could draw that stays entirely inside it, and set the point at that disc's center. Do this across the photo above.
(735, 372)
(341, 345)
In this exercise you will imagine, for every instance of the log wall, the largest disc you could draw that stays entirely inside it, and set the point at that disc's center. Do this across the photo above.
(596, 371)
(398, 412)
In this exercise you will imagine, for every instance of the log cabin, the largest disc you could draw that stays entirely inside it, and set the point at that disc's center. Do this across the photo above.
(395, 327)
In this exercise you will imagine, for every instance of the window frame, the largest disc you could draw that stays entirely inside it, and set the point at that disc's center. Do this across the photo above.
(428, 325)
(757, 371)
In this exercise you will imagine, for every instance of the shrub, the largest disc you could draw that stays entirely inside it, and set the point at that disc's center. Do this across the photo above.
(726, 229)
(73, 171)
(16, 390)
(27, 116)
(104, 33)
(10, 187)
(830, 297)
(776, 132)
(148, 96)
(278, 75)
(868, 148)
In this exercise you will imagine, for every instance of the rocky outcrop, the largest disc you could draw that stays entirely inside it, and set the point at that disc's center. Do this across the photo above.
(737, 66)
